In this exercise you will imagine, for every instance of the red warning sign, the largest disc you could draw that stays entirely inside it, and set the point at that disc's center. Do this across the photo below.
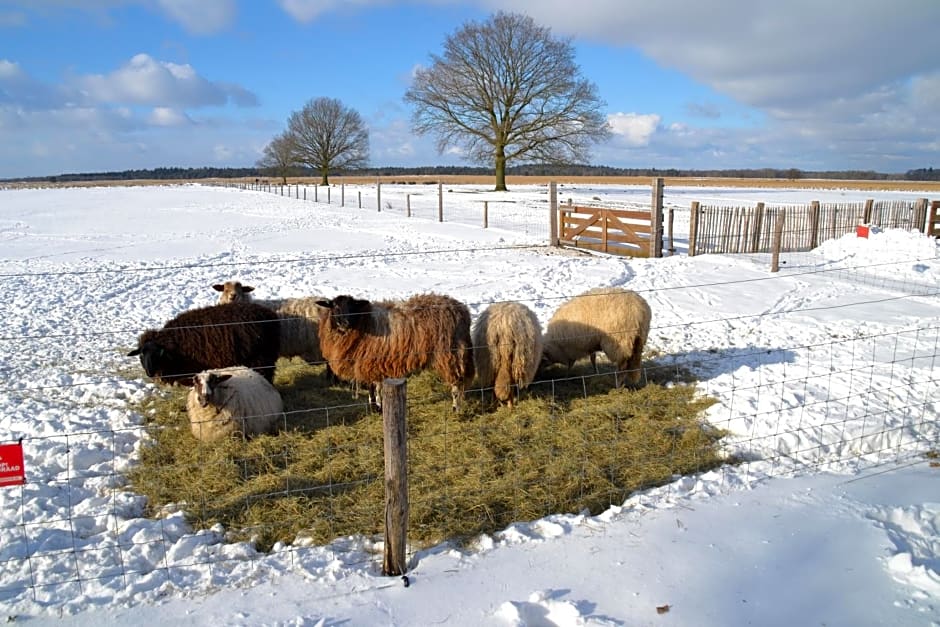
(12, 471)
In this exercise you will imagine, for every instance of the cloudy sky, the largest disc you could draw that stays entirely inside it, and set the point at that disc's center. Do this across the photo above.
(92, 85)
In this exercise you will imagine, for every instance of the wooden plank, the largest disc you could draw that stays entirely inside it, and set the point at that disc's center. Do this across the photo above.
(394, 403)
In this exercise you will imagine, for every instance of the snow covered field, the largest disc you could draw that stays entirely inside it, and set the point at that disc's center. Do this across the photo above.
(826, 374)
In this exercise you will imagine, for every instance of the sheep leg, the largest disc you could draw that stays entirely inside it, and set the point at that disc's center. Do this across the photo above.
(456, 394)
(594, 361)
(375, 397)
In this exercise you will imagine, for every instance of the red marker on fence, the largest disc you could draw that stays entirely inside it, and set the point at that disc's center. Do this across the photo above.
(12, 469)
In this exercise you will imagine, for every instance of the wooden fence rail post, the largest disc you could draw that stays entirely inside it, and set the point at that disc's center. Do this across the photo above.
(656, 217)
(378, 195)
(693, 228)
(486, 214)
(778, 238)
(553, 214)
(440, 202)
(394, 403)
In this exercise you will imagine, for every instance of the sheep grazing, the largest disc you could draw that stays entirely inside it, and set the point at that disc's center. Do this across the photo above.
(614, 320)
(235, 334)
(507, 347)
(232, 401)
(367, 342)
(299, 319)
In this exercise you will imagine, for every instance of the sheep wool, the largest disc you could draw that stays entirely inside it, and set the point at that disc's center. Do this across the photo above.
(300, 319)
(225, 402)
(611, 319)
(219, 336)
(366, 342)
(507, 347)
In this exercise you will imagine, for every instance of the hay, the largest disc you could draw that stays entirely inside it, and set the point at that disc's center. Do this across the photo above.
(572, 443)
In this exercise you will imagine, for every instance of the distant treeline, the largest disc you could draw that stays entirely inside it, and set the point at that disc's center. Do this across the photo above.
(171, 174)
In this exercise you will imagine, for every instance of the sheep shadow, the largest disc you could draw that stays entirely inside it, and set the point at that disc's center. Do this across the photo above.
(313, 401)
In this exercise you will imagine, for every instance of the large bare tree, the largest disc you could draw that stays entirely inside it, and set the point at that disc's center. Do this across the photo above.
(507, 90)
(326, 135)
(278, 157)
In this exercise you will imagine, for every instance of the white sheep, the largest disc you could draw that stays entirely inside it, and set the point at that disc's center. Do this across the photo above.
(228, 401)
(507, 347)
(611, 319)
(300, 319)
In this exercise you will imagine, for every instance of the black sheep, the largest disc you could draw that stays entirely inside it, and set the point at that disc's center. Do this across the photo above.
(234, 334)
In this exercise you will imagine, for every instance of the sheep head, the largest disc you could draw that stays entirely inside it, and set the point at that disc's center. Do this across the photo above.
(206, 385)
(233, 292)
(345, 313)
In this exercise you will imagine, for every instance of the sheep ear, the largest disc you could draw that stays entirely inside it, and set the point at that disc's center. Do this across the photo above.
(134, 353)
(222, 378)
(247, 288)
(218, 287)
(326, 304)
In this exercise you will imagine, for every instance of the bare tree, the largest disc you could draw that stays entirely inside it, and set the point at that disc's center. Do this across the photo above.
(327, 135)
(278, 157)
(506, 90)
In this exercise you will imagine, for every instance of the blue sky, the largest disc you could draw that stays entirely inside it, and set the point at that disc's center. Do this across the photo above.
(98, 85)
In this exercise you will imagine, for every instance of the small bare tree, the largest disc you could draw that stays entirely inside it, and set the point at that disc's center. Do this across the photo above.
(326, 136)
(278, 157)
(506, 90)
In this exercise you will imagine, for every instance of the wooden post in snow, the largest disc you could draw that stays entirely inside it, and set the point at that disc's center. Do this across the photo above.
(553, 214)
(693, 228)
(440, 202)
(656, 219)
(486, 214)
(394, 403)
(778, 238)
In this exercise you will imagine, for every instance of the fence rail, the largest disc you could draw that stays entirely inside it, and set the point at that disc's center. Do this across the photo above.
(723, 229)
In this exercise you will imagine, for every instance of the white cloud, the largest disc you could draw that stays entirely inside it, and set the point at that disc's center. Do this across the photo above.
(633, 128)
(146, 81)
(9, 70)
(202, 17)
(165, 116)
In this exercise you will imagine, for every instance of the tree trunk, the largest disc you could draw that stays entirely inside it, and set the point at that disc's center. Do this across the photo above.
(500, 169)
(324, 176)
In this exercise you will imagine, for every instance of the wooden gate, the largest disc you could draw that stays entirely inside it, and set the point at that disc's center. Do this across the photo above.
(933, 219)
(616, 231)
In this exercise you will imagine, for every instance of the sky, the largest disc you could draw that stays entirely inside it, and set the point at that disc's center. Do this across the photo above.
(93, 85)
(824, 376)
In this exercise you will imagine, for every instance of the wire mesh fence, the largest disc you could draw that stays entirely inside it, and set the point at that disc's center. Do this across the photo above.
(849, 397)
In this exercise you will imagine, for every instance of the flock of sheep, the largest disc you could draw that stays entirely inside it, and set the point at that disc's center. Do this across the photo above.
(227, 352)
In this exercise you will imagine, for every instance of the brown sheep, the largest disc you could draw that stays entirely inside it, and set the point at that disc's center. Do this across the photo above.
(367, 342)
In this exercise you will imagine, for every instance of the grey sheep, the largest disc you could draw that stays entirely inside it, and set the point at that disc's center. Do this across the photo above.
(232, 401)
(299, 319)
(507, 347)
(611, 319)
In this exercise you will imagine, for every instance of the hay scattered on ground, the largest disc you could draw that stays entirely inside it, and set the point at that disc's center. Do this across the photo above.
(572, 443)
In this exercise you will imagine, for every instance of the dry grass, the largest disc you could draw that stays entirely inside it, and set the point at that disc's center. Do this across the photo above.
(542, 180)
(571, 444)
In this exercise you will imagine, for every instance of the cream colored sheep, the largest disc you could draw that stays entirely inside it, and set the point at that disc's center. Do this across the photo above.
(611, 319)
(507, 347)
(300, 319)
(229, 401)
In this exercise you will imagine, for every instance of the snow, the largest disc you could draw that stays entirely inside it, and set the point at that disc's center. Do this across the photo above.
(825, 373)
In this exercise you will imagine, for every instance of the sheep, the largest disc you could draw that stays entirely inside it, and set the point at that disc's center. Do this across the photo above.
(229, 401)
(234, 334)
(614, 320)
(299, 319)
(507, 347)
(366, 342)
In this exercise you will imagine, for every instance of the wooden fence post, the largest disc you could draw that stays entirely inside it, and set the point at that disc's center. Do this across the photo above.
(672, 216)
(328, 188)
(758, 225)
(394, 403)
(408, 205)
(342, 194)
(866, 216)
(656, 219)
(486, 214)
(360, 198)
(440, 202)
(919, 217)
(378, 194)
(813, 224)
(693, 228)
(553, 214)
(778, 238)
(316, 193)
